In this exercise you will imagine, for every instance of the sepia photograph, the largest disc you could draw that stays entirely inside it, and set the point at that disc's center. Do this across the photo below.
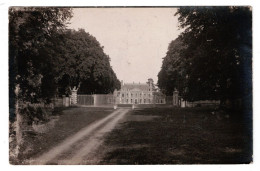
(131, 85)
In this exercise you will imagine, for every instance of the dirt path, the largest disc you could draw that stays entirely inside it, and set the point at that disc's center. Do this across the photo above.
(78, 146)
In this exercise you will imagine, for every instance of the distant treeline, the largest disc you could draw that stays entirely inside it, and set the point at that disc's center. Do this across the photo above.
(212, 58)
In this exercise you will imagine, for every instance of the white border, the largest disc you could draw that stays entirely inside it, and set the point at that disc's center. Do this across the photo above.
(4, 4)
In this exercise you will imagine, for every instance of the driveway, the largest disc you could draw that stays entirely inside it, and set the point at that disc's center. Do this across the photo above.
(78, 148)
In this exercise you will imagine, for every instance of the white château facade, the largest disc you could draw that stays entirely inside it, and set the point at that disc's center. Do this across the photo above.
(135, 93)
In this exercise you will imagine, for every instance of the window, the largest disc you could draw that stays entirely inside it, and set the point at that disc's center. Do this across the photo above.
(131, 100)
(123, 95)
(126, 94)
(126, 100)
(131, 95)
(144, 100)
(140, 100)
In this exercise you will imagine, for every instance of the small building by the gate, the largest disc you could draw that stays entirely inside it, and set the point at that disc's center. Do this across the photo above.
(136, 93)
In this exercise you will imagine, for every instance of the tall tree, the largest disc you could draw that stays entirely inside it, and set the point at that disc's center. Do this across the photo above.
(31, 30)
(219, 46)
(218, 56)
(83, 62)
(172, 73)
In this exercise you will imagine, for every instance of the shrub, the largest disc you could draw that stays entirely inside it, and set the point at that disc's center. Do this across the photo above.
(34, 113)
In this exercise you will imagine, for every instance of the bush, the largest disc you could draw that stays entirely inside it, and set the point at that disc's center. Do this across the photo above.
(34, 113)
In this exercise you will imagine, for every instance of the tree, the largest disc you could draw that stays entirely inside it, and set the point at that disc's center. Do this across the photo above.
(217, 59)
(31, 31)
(46, 59)
(172, 73)
(83, 62)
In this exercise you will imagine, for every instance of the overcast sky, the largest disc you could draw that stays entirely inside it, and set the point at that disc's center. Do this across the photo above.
(136, 39)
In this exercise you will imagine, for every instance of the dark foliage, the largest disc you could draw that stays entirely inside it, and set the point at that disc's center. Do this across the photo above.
(31, 31)
(216, 62)
(83, 62)
(47, 60)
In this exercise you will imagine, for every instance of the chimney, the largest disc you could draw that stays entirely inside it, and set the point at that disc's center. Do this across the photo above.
(150, 82)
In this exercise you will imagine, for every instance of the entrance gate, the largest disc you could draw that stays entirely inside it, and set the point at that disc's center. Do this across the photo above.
(85, 99)
(96, 99)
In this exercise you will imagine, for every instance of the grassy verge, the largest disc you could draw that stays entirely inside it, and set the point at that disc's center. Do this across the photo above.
(180, 136)
(69, 121)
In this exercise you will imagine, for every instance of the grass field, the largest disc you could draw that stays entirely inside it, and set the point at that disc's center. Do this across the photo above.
(180, 136)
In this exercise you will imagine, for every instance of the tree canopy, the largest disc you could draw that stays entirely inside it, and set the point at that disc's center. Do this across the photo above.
(172, 71)
(30, 30)
(83, 62)
(46, 58)
(216, 61)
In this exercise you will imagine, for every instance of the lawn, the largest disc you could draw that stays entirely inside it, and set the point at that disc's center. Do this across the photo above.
(180, 136)
(69, 121)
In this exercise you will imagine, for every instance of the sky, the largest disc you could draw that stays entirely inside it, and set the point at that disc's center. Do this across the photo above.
(136, 39)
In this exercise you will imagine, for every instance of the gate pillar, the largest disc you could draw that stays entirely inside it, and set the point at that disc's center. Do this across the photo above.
(175, 100)
(74, 96)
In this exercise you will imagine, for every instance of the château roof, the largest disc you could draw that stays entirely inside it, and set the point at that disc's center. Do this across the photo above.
(138, 86)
